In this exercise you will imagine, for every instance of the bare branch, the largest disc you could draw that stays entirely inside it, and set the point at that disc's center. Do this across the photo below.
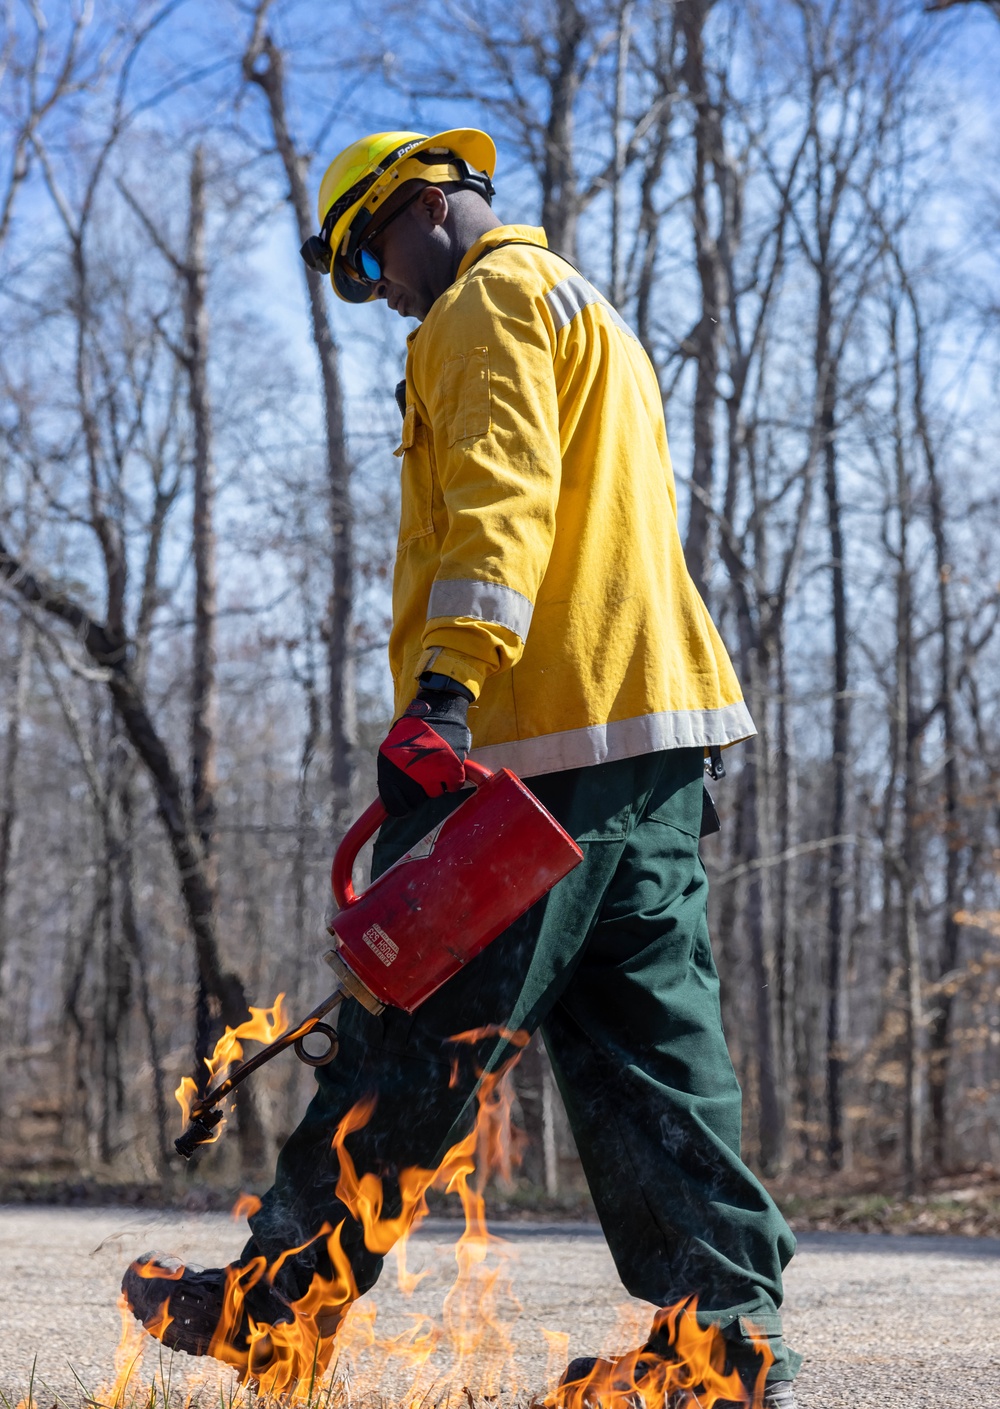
(76, 667)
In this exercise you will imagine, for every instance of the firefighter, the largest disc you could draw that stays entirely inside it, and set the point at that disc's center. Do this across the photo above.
(543, 620)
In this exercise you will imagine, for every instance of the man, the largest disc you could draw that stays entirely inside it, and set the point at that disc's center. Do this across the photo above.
(543, 617)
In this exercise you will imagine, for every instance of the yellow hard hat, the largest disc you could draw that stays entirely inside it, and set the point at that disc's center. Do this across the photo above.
(363, 176)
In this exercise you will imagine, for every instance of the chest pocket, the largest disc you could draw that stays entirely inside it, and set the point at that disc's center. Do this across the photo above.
(415, 481)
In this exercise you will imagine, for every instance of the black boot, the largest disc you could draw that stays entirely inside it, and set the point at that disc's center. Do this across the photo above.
(636, 1381)
(190, 1300)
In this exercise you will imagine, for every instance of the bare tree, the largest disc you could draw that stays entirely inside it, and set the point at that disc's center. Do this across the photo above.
(107, 642)
(192, 354)
(10, 793)
(944, 706)
(35, 81)
(705, 338)
(906, 731)
(856, 72)
(264, 67)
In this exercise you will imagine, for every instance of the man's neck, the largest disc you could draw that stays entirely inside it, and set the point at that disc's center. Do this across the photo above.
(471, 224)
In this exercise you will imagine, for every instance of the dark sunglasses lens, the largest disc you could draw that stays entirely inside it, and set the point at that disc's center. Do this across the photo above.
(368, 265)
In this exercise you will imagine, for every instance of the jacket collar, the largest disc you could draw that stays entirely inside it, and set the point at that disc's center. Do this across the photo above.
(533, 234)
(503, 234)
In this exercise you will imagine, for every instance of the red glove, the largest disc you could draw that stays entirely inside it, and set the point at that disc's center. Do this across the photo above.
(423, 755)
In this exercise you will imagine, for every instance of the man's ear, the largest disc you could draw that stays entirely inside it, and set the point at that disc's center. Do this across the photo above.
(434, 204)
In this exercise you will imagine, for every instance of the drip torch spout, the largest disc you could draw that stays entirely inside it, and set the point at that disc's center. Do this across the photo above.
(198, 1132)
(205, 1116)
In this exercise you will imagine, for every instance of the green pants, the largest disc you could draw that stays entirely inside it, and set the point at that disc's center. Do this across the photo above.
(616, 968)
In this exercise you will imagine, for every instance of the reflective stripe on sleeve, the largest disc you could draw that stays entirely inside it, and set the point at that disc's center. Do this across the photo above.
(571, 296)
(485, 601)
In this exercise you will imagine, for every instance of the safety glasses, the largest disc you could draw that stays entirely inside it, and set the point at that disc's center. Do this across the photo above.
(363, 261)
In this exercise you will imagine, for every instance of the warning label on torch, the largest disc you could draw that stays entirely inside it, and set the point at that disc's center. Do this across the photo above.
(380, 944)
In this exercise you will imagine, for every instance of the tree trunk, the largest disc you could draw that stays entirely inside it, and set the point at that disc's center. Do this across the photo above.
(648, 224)
(707, 335)
(826, 381)
(204, 692)
(529, 1084)
(227, 995)
(204, 689)
(132, 934)
(560, 197)
(909, 734)
(263, 65)
(203, 703)
(940, 1026)
(621, 74)
(550, 1147)
(757, 919)
(9, 794)
(116, 970)
(906, 874)
(300, 867)
(786, 907)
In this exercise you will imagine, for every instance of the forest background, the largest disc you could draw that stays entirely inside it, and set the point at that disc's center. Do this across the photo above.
(796, 205)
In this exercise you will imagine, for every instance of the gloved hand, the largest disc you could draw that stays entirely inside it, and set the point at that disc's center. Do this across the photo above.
(424, 753)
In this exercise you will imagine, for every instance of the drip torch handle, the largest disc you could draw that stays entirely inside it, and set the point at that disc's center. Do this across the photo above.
(347, 852)
(364, 829)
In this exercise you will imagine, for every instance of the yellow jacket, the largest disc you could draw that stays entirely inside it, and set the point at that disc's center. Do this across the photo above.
(539, 561)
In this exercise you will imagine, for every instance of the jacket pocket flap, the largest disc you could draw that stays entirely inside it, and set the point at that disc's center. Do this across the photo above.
(466, 395)
(409, 432)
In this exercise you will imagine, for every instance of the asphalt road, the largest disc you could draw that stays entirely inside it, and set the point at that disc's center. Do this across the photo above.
(882, 1321)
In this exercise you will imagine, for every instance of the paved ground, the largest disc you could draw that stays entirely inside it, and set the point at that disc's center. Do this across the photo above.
(883, 1322)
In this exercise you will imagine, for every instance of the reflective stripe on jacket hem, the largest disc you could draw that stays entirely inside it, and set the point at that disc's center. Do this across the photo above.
(624, 738)
(484, 601)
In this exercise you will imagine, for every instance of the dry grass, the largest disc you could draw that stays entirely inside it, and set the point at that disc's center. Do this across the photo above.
(214, 1387)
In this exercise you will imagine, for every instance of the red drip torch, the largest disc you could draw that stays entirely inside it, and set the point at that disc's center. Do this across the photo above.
(425, 917)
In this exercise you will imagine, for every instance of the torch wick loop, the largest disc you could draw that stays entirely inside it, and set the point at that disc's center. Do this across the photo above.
(293, 1038)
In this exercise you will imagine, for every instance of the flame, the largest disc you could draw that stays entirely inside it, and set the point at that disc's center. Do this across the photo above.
(245, 1207)
(557, 1343)
(694, 1372)
(286, 1358)
(151, 1270)
(263, 1025)
(517, 1037)
(467, 1352)
(128, 1356)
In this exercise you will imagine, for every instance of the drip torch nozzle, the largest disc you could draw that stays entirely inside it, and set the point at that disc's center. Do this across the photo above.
(205, 1116)
(198, 1132)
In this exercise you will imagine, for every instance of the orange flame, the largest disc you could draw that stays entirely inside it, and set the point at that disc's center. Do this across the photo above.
(263, 1025)
(128, 1357)
(151, 1270)
(468, 1352)
(286, 1358)
(245, 1207)
(694, 1372)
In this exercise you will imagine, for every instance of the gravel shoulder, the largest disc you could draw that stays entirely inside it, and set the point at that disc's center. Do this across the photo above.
(882, 1321)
